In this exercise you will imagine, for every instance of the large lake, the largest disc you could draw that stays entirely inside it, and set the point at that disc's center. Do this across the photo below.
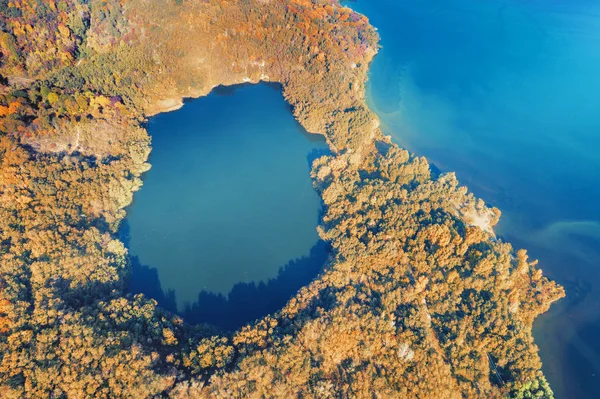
(507, 94)
(224, 229)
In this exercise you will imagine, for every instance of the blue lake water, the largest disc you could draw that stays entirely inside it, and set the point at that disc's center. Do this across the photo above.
(507, 94)
(224, 229)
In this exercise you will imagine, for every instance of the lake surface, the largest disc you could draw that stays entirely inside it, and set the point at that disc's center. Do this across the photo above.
(507, 94)
(224, 229)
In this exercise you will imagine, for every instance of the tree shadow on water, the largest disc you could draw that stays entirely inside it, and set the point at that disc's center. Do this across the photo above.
(245, 302)
(316, 153)
(144, 280)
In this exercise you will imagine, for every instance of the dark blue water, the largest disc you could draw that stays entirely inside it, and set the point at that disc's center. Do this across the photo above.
(224, 229)
(507, 94)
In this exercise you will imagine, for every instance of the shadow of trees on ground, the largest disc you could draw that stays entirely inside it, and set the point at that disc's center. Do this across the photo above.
(245, 302)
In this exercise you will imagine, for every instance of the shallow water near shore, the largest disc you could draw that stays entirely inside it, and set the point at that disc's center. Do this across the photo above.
(507, 94)
(224, 229)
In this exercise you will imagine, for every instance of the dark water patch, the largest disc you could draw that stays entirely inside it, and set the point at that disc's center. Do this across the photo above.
(245, 303)
(224, 229)
(144, 280)
(584, 348)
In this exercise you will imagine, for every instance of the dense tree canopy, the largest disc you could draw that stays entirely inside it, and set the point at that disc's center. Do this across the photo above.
(418, 299)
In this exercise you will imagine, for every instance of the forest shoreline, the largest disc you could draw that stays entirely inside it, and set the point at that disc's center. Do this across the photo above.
(411, 288)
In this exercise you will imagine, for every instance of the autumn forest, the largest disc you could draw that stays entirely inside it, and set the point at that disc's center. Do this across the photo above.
(418, 298)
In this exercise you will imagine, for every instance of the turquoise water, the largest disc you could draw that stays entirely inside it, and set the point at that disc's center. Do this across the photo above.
(507, 94)
(224, 228)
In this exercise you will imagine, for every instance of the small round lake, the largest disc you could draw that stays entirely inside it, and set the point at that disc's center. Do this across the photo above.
(224, 229)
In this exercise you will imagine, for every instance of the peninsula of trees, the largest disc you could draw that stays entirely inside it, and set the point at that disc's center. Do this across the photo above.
(416, 300)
